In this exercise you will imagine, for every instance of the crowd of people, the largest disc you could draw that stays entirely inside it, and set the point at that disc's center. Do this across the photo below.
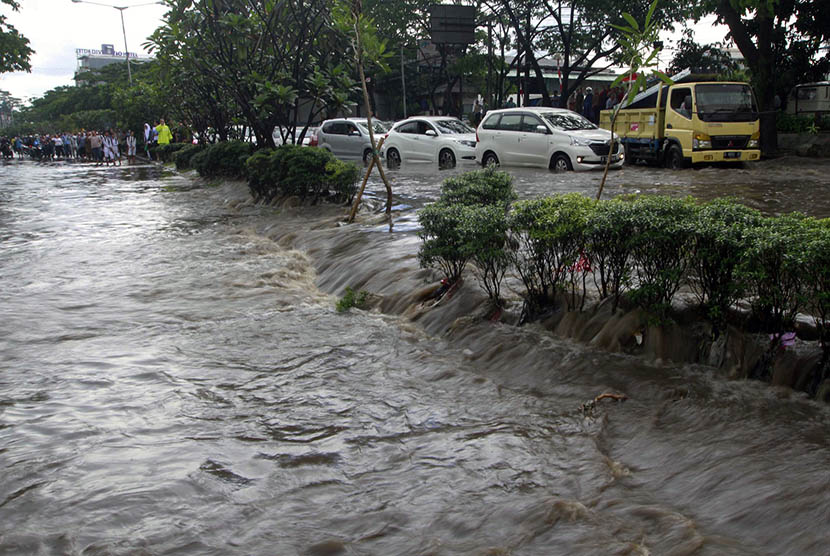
(106, 147)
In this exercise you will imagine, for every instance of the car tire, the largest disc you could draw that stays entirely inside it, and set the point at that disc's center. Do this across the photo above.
(561, 163)
(674, 158)
(367, 157)
(393, 158)
(446, 159)
(489, 159)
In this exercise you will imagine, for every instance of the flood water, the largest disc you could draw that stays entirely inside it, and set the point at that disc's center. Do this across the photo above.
(175, 379)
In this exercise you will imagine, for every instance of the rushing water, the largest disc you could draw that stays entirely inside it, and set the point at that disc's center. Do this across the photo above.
(172, 381)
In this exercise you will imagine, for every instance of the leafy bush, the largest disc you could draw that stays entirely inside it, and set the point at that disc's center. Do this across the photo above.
(226, 159)
(486, 235)
(445, 240)
(302, 171)
(352, 299)
(184, 156)
(774, 270)
(548, 236)
(719, 245)
(165, 153)
(660, 245)
(479, 187)
(817, 286)
(608, 242)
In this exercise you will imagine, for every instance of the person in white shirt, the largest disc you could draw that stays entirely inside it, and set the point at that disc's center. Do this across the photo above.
(131, 148)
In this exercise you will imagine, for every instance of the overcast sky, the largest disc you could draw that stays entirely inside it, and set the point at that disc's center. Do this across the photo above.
(55, 28)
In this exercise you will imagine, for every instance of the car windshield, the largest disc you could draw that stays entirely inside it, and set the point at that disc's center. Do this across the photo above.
(377, 126)
(568, 121)
(452, 127)
(726, 102)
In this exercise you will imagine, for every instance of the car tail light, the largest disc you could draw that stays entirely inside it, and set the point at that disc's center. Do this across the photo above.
(313, 142)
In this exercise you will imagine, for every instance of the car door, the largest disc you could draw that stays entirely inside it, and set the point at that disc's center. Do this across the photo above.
(333, 138)
(405, 138)
(510, 127)
(352, 141)
(427, 146)
(533, 142)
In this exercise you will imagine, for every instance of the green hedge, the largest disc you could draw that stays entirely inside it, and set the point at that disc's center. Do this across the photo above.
(184, 156)
(305, 172)
(792, 123)
(223, 159)
(165, 153)
(643, 248)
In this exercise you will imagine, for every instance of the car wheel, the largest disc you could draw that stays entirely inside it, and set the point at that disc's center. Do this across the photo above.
(490, 159)
(393, 158)
(367, 156)
(446, 159)
(561, 163)
(674, 158)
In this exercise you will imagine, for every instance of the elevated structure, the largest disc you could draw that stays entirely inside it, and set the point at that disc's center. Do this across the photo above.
(94, 59)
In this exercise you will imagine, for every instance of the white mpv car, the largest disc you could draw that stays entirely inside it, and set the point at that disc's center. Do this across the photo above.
(440, 139)
(553, 138)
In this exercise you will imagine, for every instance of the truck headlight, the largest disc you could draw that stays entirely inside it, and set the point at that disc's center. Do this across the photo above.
(754, 141)
(701, 141)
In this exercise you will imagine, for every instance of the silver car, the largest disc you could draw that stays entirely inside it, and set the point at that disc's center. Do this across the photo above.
(348, 138)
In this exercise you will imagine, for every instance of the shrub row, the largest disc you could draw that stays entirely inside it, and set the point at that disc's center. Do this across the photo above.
(183, 157)
(311, 174)
(792, 123)
(644, 248)
(224, 159)
(165, 153)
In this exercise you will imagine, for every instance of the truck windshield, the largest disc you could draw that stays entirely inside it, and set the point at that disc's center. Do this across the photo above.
(565, 121)
(725, 102)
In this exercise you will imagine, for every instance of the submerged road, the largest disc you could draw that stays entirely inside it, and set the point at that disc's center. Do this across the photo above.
(172, 381)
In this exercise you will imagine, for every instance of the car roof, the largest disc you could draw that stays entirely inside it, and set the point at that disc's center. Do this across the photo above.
(534, 109)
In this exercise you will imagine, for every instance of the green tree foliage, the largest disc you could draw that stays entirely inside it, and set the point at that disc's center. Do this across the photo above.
(14, 47)
(709, 57)
(280, 62)
(779, 40)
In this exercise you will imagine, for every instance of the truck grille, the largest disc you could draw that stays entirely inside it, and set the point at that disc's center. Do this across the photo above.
(600, 149)
(721, 142)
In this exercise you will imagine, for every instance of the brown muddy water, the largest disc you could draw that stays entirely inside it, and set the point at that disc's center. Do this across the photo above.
(174, 379)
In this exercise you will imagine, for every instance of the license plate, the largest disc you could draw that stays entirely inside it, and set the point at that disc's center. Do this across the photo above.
(604, 159)
(732, 155)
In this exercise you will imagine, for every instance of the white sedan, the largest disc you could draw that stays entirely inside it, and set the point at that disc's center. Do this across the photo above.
(433, 139)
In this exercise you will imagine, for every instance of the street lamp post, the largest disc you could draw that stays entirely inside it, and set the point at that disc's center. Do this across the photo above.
(123, 28)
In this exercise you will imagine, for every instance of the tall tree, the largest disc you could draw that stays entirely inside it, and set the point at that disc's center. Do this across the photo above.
(765, 31)
(14, 47)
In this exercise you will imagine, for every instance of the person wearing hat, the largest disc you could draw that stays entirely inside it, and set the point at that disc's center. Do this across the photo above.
(588, 104)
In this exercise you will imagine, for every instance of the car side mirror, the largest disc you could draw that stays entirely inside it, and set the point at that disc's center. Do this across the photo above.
(431, 133)
(542, 129)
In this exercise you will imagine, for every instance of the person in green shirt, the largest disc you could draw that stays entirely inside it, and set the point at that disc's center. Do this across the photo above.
(164, 133)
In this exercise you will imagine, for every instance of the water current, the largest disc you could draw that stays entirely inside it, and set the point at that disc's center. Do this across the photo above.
(175, 379)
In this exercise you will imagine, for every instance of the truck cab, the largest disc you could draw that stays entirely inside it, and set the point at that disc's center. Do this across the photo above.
(689, 123)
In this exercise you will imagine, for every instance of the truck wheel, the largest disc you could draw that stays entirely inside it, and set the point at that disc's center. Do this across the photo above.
(561, 163)
(629, 161)
(674, 158)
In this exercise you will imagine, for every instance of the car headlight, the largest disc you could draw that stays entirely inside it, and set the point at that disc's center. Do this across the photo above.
(579, 141)
(701, 141)
(466, 143)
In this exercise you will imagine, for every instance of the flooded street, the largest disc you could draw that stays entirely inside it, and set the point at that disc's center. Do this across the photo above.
(175, 379)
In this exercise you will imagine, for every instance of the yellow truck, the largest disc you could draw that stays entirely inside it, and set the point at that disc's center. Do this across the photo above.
(689, 122)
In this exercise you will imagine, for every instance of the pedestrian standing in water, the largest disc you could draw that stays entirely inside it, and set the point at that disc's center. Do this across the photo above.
(131, 148)
(96, 143)
(164, 135)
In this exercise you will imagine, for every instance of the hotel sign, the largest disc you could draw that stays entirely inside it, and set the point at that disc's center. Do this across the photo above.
(103, 52)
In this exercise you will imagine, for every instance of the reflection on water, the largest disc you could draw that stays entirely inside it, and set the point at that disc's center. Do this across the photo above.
(173, 381)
